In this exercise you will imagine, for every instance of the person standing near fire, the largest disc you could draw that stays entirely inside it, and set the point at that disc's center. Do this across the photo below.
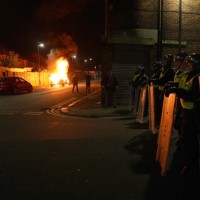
(75, 82)
(88, 82)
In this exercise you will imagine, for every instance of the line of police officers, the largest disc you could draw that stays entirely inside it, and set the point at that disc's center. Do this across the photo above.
(179, 75)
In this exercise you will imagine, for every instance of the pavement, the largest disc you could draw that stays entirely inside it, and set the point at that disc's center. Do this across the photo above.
(90, 106)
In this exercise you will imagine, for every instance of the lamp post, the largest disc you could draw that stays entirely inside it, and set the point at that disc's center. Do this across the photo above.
(39, 45)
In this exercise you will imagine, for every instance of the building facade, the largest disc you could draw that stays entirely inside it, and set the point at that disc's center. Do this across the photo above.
(140, 32)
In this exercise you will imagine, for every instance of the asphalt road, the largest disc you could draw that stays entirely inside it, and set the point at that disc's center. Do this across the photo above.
(57, 157)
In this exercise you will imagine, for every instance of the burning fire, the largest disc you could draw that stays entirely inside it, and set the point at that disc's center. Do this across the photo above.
(61, 76)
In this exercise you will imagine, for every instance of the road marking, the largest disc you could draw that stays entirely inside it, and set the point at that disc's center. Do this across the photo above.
(33, 113)
(63, 103)
(6, 113)
(84, 97)
(25, 113)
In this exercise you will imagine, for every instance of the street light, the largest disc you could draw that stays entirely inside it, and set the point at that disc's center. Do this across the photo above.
(39, 45)
(74, 56)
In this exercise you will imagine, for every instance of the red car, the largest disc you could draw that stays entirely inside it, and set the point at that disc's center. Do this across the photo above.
(14, 85)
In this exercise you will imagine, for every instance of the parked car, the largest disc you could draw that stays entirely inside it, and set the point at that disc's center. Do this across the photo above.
(14, 85)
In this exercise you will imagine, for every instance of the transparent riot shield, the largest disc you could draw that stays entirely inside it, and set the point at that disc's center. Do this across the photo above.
(151, 106)
(136, 100)
(131, 97)
(142, 116)
(165, 131)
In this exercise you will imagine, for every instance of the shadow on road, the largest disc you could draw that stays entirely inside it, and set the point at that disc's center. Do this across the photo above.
(169, 187)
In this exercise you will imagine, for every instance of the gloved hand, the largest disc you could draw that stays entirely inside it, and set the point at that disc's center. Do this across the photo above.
(170, 84)
(148, 82)
(170, 90)
(145, 82)
(153, 80)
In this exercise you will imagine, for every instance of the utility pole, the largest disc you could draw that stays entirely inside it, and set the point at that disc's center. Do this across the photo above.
(39, 45)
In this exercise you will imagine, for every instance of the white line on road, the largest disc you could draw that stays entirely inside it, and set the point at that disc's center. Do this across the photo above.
(32, 113)
(6, 113)
(64, 103)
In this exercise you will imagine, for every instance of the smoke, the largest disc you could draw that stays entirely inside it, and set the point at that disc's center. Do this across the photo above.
(61, 45)
(55, 15)
(57, 9)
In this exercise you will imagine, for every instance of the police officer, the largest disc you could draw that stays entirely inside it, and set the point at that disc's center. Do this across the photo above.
(157, 69)
(166, 75)
(140, 78)
(178, 66)
(189, 93)
(139, 81)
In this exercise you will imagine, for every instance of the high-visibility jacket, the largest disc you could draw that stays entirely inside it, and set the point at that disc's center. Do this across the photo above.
(161, 87)
(138, 80)
(142, 79)
(135, 77)
(178, 76)
(187, 85)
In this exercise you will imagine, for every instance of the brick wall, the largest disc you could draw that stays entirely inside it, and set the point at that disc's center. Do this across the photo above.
(143, 14)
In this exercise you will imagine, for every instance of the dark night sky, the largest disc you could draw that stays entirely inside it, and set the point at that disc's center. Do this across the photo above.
(26, 23)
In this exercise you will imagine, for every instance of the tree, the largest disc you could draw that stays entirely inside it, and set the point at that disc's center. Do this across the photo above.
(9, 59)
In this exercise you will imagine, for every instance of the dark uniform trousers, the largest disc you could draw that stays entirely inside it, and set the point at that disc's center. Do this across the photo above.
(190, 139)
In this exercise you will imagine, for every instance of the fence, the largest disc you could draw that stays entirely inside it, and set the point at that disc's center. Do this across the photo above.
(35, 78)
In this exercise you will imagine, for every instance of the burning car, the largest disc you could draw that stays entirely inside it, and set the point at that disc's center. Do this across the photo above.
(60, 77)
(57, 80)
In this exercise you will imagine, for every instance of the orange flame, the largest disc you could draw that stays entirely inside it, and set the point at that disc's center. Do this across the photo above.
(61, 76)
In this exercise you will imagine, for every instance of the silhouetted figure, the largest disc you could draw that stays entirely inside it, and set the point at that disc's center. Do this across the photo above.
(88, 82)
(104, 83)
(111, 87)
(75, 83)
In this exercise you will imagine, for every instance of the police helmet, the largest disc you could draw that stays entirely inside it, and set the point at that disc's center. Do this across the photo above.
(141, 69)
(168, 57)
(180, 56)
(157, 65)
(194, 59)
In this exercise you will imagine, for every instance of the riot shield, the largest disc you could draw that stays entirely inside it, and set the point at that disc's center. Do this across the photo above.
(151, 106)
(131, 97)
(136, 100)
(142, 116)
(165, 131)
